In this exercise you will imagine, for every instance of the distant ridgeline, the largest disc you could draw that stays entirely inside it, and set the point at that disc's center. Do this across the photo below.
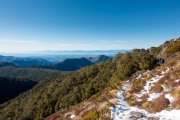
(70, 64)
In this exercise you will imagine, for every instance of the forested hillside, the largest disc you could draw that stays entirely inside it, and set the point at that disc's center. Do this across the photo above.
(34, 74)
(15, 80)
(51, 95)
(4, 64)
(162, 83)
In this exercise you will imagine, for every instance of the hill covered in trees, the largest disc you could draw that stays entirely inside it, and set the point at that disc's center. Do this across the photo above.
(15, 80)
(51, 95)
(34, 74)
(4, 64)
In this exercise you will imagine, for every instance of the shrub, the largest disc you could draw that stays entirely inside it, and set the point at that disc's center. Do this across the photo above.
(138, 85)
(145, 104)
(176, 93)
(157, 88)
(176, 104)
(159, 104)
(173, 49)
(93, 115)
(131, 103)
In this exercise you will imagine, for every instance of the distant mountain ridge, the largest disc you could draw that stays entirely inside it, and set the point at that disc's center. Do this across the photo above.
(77, 63)
(24, 62)
(70, 64)
(99, 58)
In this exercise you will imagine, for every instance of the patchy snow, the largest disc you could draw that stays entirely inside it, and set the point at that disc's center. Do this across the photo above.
(165, 89)
(149, 84)
(72, 116)
(163, 72)
(153, 96)
(138, 95)
(139, 76)
(148, 87)
(122, 111)
(139, 100)
(169, 97)
(178, 80)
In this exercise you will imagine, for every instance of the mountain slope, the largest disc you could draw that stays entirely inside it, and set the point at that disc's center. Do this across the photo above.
(51, 95)
(34, 74)
(16, 80)
(4, 64)
(97, 107)
(152, 94)
(99, 58)
(72, 64)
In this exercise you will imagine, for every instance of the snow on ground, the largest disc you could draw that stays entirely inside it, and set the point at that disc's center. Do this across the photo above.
(140, 75)
(169, 97)
(148, 86)
(153, 96)
(72, 116)
(122, 111)
(178, 80)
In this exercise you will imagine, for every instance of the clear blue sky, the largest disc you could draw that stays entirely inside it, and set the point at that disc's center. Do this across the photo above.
(36, 25)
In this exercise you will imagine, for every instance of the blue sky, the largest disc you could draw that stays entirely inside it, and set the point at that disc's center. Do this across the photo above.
(37, 25)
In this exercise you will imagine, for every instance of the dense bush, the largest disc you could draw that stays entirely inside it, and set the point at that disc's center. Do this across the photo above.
(176, 104)
(173, 49)
(34, 74)
(146, 104)
(157, 88)
(159, 104)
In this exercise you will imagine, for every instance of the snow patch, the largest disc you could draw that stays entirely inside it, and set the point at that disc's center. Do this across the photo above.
(169, 97)
(72, 116)
(153, 96)
(178, 80)
(139, 76)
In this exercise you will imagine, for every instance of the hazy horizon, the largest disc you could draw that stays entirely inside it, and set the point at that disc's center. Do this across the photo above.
(86, 24)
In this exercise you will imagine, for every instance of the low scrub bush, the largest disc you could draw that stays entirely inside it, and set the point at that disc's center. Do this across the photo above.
(176, 104)
(159, 104)
(146, 104)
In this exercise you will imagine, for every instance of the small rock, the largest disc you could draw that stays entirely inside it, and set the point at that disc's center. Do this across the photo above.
(153, 118)
(136, 115)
